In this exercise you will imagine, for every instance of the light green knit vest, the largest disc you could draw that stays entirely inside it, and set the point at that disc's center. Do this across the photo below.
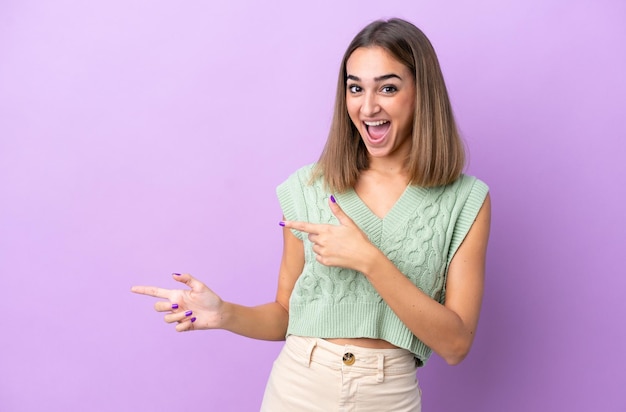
(420, 235)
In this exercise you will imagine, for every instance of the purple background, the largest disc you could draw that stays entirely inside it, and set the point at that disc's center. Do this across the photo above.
(138, 138)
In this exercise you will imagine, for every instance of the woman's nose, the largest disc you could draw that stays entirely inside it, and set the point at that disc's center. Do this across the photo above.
(370, 105)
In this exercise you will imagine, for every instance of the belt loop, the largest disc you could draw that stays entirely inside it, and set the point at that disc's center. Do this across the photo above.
(309, 352)
(380, 376)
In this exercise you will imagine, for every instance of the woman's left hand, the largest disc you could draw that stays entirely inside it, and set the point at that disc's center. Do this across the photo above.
(344, 245)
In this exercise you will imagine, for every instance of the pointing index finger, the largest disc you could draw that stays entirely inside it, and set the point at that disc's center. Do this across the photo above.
(301, 226)
(151, 291)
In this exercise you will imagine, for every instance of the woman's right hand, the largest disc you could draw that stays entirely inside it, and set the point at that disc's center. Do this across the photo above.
(198, 308)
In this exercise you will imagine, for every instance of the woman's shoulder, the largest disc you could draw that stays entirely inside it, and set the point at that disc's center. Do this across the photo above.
(306, 170)
(468, 183)
(303, 175)
(469, 191)
(466, 188)
(299, 192)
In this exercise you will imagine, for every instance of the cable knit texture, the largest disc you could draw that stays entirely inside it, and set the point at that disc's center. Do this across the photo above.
(420, 235)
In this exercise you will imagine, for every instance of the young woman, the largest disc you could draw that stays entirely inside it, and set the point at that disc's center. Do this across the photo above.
(384, 243)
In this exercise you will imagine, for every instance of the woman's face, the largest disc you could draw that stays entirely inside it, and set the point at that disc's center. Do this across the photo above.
(380, 97)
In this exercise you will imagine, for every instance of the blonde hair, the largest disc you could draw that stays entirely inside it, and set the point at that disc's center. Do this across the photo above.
(437, 155)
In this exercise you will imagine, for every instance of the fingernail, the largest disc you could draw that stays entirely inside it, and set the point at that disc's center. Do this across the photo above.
(332, 199)
(188, 313)
(281, 223)
(193, 319)
(177, 274)
(174, 305)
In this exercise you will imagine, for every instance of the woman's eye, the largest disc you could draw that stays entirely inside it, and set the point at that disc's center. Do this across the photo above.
(389, 89)
(354, 89)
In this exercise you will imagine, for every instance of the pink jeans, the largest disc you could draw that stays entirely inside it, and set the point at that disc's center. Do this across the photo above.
(312, 374)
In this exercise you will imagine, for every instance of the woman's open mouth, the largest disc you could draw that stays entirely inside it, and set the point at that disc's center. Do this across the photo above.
(377, 130)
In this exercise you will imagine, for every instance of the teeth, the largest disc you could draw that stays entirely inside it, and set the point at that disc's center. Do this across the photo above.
(378, 123)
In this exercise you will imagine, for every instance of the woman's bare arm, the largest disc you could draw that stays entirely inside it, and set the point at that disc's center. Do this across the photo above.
(200, 308)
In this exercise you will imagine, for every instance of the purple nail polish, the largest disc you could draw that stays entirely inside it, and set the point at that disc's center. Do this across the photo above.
(332, 199)
(177, 274)
(174, 305)
(282, 223)
(193, 319)
(188, 313)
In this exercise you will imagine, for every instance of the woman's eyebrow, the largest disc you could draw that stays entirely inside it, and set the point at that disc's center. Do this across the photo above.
(376, 79)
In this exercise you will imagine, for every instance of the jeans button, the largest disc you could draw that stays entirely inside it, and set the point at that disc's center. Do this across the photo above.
(348, 359)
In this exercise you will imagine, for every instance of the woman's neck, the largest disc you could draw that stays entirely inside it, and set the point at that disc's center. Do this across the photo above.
(388, 167)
